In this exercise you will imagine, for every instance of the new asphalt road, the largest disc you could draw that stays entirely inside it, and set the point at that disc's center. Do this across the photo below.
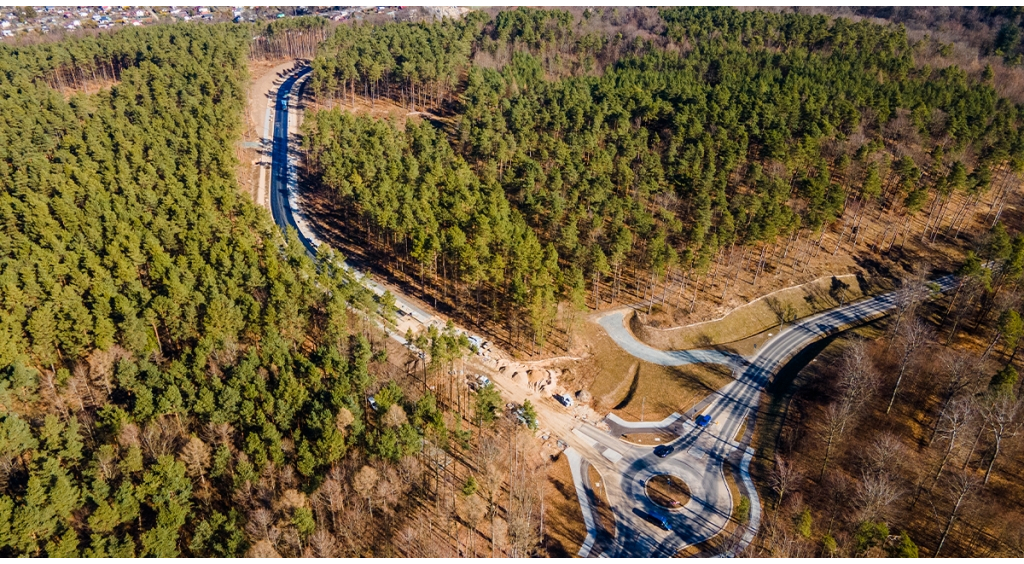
(282, 168)
(699, 453)
(614, 324)
(284, 188)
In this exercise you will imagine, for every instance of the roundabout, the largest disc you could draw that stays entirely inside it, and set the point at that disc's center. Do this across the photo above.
(661, 500)
(647, 521)
(667, 491)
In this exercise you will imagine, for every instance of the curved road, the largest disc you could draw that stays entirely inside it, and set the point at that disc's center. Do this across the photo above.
(282, 167)
(703, 476)
(614, 323)
(699, 454)
(284, 191)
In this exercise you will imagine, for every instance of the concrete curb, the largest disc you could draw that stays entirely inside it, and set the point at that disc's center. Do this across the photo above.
(756, 374)
(641, 425)
(755, 504)
(576, 466)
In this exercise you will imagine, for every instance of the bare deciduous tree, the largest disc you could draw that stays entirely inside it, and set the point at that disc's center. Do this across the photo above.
(959, 373)
(837, 414)
(218, 433)
(343, 419)
(490, 458)
(875, 492)
(323, 544)
(885, 452)
(395, 416)
(783, 478)
(196, 456)
(1002, 415)
(858, 376)
(364, 483)
(331, 498)
(410, 469)
(954, 421)
(472, 512)
(390, 489)
(261, 526)
(106, 463)
(160, 436)
(958, 489)
(525, 492)
(912, 337)
(837, 488)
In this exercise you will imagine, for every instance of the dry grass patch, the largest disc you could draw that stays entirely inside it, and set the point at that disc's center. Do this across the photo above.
(661, 391)
(667, 491)
(619, 382)
(648, 439)
(756, 317)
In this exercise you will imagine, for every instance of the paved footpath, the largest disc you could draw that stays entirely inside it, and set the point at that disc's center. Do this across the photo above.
(614, 324)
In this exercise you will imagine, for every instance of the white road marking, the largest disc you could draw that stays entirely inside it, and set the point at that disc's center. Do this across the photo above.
(587, 439)
(611, 455)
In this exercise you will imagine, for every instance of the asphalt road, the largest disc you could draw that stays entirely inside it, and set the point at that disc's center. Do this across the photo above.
(699, 454)
(736, 399)
(282, 168)
(614, 324)
(626, 468)
(284, 190)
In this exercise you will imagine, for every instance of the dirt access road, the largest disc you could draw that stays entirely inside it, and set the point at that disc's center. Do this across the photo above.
(559, 422)
(257, 141)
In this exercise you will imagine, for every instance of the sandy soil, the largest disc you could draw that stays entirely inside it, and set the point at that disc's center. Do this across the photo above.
(265, 78)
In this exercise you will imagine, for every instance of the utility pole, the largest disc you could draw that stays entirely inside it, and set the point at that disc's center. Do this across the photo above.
(643, 403)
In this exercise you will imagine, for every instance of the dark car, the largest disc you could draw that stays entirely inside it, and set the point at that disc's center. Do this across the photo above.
(659, 520)
(663, 450)
(663, 521)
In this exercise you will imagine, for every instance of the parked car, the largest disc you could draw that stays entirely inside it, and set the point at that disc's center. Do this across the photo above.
(661, 451)
(520, 414)
(373, 403)
(564, 399)
(484, 380)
